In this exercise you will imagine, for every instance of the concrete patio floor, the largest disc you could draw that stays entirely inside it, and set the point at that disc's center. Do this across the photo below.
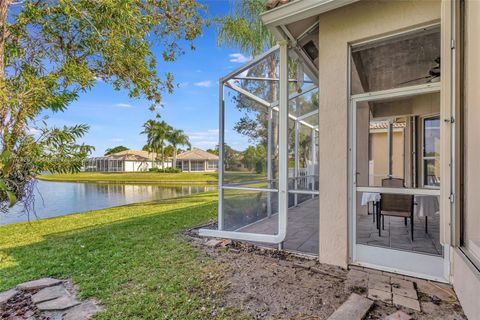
(303, 234)
(302, 230)
(398, 236)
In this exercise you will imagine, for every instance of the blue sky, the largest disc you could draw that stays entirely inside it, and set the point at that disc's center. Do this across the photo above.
(115, 119)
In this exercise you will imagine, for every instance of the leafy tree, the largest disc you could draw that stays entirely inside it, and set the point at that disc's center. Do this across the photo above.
(51, 51)
(157, 133)
(116, 149)
(254, 158)
(244, 30)
(213, 151)
(168, 151)
(176, 138)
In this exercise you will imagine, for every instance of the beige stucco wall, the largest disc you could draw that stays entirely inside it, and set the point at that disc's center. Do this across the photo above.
(359, 21)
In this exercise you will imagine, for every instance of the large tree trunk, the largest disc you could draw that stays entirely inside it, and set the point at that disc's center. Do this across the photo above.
(4, 5)
(163, 159)
(174, 157)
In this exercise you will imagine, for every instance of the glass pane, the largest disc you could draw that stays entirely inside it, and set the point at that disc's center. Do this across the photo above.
(248, 135)
(399, 62)
(387, 220)
(248, 211)
(432, 172)
(261, 79)
(389, 142)
(432, 137)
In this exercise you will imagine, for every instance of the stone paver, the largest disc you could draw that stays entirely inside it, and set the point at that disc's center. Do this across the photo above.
(378, 277)
(38, 284)
(406, 302)
(355, 308)
(444, 292)
(49, 293)
(373, 284)
(380, 295)
(83, 311)
(399, 315)
(408, 292)
(61, 303)
(7, 295)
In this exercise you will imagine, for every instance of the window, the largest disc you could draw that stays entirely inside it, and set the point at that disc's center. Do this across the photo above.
(197, 165)
(212, 164)
(179, 164)
(431, 152)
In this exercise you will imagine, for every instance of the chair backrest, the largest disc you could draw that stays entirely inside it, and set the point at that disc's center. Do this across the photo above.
(396, 202)
(393, 182)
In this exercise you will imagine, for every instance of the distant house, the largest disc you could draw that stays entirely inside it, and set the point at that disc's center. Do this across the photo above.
(197, 160)
(125, 161)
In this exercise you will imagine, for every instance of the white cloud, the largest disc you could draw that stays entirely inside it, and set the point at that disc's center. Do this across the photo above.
(33, 131)
(205, 84)
(123, 105)
(204, 139)
(239, 58)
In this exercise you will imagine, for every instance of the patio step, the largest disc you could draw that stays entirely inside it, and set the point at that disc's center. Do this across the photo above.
(355, 308)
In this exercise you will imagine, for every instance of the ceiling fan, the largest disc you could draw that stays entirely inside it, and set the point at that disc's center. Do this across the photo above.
(433, 74)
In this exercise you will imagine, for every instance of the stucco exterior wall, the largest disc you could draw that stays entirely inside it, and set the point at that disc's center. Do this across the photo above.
(360, 21)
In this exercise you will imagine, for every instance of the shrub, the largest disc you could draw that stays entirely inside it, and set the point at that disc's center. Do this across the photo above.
(166, 170)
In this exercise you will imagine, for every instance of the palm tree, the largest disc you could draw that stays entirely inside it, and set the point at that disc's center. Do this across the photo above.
(177, 138)
(157, 132)
(244, 28)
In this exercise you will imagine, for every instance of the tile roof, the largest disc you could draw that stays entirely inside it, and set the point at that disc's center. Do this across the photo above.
(384, 125)
(197, 154)
(272, 4)
(134, 155)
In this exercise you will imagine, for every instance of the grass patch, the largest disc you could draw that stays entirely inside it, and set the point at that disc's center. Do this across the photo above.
(153, 177)
(132, 258)
(140, 177)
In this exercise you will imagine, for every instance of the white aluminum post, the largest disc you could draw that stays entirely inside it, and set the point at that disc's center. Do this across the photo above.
(283, 117)
(296, 161)
(390, 148)
(221, 167)
(313, 151)
(269, 160)
(283, 139)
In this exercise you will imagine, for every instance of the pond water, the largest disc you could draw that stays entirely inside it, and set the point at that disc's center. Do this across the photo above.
(61, 198)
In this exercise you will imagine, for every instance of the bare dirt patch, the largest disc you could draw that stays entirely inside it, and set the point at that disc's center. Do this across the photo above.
(271, 284)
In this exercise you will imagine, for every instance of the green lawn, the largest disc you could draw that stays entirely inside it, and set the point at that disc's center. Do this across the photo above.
(152, 177)
(132, 258)
(141, 177)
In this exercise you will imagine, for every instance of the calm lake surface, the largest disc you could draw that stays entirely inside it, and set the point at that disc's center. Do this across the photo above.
(61, 198)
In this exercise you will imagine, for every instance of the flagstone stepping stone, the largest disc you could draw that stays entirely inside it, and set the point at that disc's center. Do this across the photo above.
(7, 295)
(38, 284)
(49, 293)
(61, 303)
(83, 311)
(399, 315)
(355, 308)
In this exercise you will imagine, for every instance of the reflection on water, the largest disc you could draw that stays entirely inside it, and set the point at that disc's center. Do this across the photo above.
(61, 198)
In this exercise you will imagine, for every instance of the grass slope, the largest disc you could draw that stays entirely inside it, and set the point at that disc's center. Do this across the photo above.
(150, 177)
(132, 258)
